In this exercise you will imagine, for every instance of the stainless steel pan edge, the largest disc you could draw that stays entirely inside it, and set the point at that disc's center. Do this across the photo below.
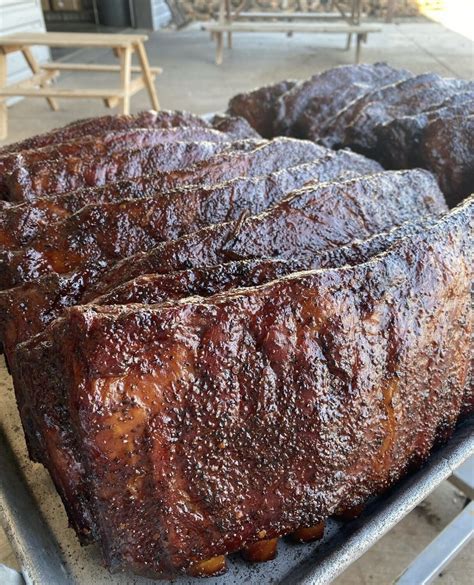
(36, 548)
(385, 512)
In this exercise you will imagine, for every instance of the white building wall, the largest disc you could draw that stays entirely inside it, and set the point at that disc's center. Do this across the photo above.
(22, 16)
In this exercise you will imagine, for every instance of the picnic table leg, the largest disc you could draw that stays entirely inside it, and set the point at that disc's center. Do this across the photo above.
(35, 68)
(224, 9)
(390, 11)
(358, 11)
(360, 38)
(3, 101)
(219, 48)
(145, 65)
(125, 73)
(228, 15)
(352, 20)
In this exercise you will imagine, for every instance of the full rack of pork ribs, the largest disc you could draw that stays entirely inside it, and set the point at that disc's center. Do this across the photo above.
(61, 175)
(101, 145)
(153, 289)
(97, 126)
(355, 125)
(234, 159)
(21, 224)
(106, 232)
(311, 221)
(398, 141)
(258, 107)
(307, 107)
(166, 401)
(156, 288)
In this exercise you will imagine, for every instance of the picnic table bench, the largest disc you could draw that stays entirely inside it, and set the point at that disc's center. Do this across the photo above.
(285, 22)
(38, 85)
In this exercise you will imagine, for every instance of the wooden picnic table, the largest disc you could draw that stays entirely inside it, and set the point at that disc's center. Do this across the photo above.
(239, 20)
(39, 84)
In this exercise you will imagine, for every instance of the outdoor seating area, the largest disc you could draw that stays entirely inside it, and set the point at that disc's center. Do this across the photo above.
(124, 47)
(341, 23)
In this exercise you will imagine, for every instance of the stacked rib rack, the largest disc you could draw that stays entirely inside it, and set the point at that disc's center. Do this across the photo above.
(217, 339)
(400, 119)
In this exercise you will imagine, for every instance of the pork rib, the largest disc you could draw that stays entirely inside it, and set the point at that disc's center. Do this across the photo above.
(399, 141)
(151, 289)
(313, 220)
(355, 125)
(305, 109)
(447, 151)
(105, 233)
(97, 126)
(337, 379)
(242, 158)
(63, 175)
(104, 144)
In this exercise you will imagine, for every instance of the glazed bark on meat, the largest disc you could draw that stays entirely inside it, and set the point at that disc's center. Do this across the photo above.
(305, 109)
(155, 288)
(439, 140)
(234, 126)
(44, 440)
(152, 289)
(101, 145)
(63, 175)
(239, 158)
(399, 141)
(167, 402)
(448, 152)
(56, 446)
(355, 125)
(20, 224)
(313, 220)
(105, 233)
(258, 107)
(97, 126)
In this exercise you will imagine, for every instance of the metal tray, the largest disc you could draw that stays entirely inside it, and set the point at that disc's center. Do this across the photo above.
(34, 519)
